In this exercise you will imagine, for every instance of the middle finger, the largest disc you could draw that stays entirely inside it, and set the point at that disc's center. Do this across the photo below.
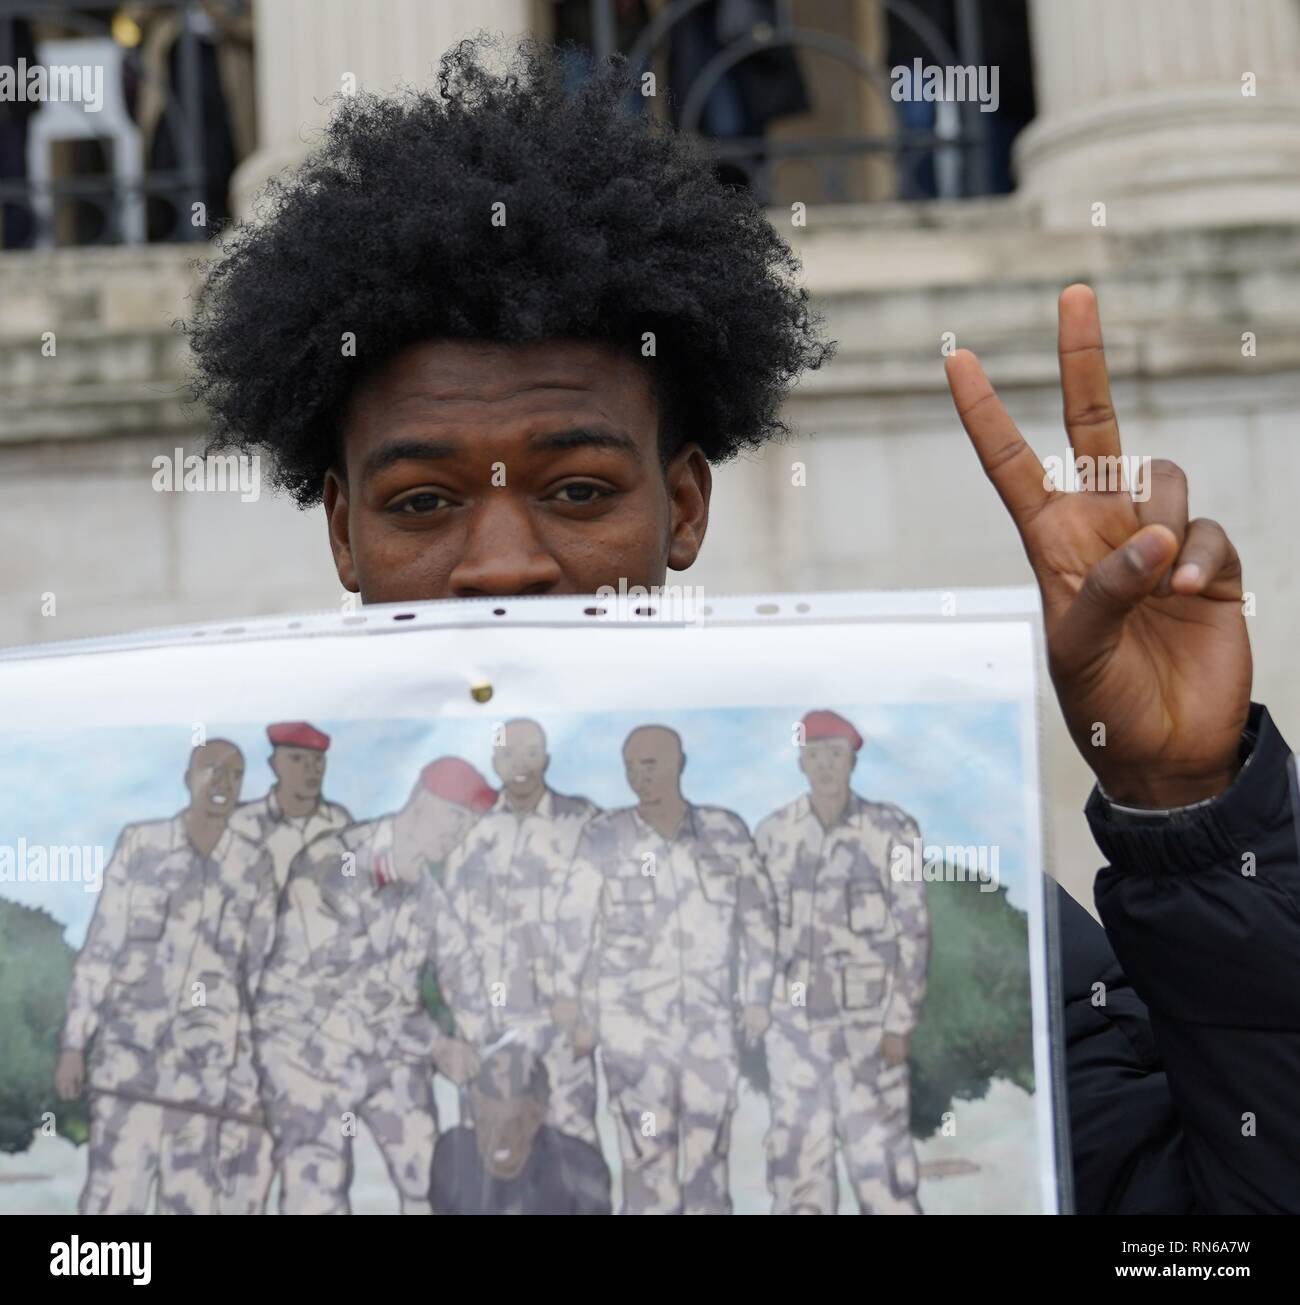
(1090, 418)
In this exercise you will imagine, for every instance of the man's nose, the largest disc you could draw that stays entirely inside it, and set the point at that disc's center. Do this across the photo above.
(504, 554)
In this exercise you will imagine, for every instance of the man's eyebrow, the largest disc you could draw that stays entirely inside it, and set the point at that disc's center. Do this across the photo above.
(412, 450)
(581, 437)
(407, 451)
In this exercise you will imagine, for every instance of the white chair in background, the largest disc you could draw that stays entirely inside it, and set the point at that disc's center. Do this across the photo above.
(68, 120)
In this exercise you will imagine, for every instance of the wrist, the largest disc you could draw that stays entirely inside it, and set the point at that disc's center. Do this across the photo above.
(1153, 791)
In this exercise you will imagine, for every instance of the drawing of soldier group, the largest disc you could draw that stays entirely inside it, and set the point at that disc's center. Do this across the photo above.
(256, 981)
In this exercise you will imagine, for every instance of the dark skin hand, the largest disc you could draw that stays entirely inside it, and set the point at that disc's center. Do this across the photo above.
(572, 426)
(1142, 607)
(893, 1048)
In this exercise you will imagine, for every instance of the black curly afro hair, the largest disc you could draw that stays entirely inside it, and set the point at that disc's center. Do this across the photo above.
(615, 226)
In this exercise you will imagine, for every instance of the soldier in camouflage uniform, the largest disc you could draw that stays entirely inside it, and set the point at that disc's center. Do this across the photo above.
(851, 960)
(505, 882)
(339, 1026)
(177, 941)
(291, 815)
(667, 915)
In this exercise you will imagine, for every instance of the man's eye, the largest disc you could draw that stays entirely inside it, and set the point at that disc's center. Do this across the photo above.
(580, 492)
(420, 504)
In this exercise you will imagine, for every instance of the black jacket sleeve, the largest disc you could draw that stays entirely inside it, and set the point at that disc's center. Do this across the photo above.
(1126, 1139)
(1198, 1109)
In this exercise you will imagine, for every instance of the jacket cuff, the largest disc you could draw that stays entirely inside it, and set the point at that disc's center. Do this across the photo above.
(900, 1020)
(1210, 833)
(75, 1035)
(438, 1041)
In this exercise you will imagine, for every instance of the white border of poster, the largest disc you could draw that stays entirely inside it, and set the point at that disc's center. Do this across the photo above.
(492, 660)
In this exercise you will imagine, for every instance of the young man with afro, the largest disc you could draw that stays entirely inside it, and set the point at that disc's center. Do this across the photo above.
(467, 279)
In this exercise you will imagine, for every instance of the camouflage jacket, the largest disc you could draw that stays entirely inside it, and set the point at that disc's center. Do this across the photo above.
(174, 949)
(664, 929)
(856, 938)
(505, 882)
(351, 947)
(263, 822)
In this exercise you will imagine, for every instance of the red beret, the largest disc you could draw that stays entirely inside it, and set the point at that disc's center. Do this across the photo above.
(459, 782)
(829, 725)
(297, 734)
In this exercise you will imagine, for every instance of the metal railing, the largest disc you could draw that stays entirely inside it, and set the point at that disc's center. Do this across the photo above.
(117, 194)
(183, 185)
(756, 156)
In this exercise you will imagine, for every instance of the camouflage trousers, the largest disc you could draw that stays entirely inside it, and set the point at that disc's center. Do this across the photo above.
(135, 1145)
(314, 1099)
(829, 1085)
(245, 1166)
(672, 1092)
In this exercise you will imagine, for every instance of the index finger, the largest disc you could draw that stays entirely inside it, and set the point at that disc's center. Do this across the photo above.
(1008, 461)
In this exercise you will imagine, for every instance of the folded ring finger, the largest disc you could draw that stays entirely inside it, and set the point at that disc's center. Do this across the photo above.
(1163, 504)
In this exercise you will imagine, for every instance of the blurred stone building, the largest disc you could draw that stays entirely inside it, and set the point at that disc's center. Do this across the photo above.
(1162, 166)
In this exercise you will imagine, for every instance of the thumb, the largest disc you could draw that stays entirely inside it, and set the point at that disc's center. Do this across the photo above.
(1112, 589)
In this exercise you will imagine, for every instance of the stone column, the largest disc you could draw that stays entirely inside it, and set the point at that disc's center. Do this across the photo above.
(309, 50)
(1141, 106)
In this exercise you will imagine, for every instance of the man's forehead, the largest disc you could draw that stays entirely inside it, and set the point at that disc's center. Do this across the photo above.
(522, 733)
(555, 374)
(499, 1073)
(652, 741)
(829, 745)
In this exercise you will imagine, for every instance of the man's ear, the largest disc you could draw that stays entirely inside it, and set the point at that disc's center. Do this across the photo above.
(690, 486)
(335, 496)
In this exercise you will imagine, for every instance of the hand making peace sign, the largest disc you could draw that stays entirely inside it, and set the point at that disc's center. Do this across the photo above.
(1143, 609)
